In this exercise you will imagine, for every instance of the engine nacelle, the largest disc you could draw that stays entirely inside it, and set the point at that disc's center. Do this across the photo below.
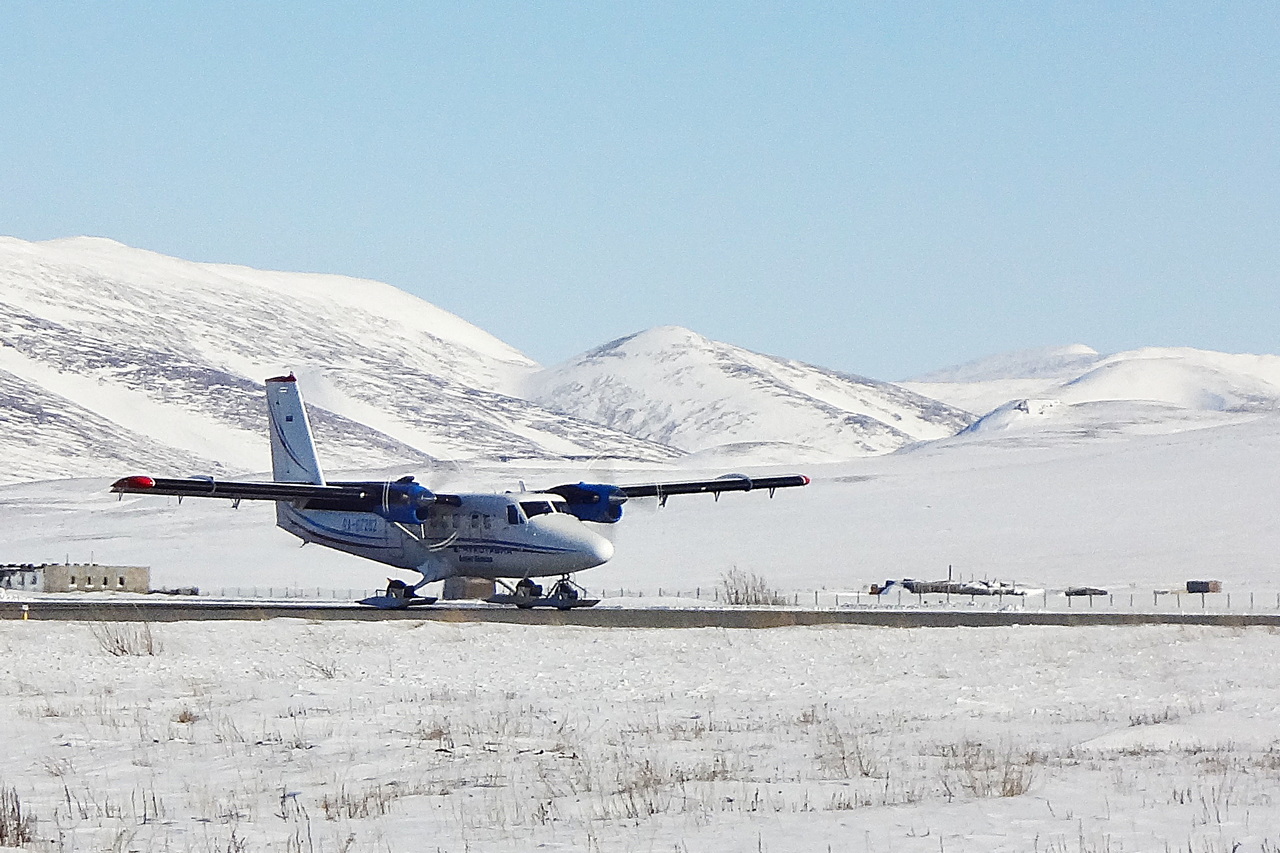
(598, 502)
(406, 503)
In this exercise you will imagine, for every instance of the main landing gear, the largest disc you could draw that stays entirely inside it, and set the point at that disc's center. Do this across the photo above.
(564, 595)
(398, 595)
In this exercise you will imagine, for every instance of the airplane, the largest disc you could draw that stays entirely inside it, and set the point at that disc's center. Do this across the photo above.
(511, 536)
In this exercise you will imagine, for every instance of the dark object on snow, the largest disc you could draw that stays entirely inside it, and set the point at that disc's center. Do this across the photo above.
(397, 596)
(960, 587)
(1072, 592)
(1204, 586)
(564, 595)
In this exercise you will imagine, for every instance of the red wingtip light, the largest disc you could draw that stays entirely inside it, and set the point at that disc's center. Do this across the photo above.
(129, 484)
(807, 481)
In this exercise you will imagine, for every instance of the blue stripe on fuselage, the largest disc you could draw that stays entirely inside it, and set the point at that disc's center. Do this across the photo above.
(347, 536)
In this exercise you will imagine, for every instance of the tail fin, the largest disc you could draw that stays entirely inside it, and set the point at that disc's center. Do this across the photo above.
(293, 454)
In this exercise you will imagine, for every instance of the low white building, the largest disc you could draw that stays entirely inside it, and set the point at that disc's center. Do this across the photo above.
(68, 577)
(26, 577)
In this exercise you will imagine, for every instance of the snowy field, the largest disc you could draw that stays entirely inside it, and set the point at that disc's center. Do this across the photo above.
(292, 736)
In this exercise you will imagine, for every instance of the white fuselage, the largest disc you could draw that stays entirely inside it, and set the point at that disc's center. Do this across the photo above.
(512, 535)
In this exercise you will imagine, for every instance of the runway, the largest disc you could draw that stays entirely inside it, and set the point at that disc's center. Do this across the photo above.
(171, 610)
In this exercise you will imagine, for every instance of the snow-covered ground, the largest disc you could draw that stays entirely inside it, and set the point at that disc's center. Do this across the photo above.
(291, 736)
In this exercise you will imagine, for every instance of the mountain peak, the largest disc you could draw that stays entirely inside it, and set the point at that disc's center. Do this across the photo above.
(650, 340)
(671, 385)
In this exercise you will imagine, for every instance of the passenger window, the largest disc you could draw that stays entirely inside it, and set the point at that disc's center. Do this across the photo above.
(488, 522)
(475, 521)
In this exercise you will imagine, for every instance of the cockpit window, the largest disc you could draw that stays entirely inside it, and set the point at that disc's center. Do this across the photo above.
(532, 508)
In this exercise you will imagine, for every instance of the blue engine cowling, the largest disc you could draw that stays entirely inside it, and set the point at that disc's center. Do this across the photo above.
(598, 502)
(407, 503)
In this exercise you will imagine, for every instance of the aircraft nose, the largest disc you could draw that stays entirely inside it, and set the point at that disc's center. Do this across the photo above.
(599, 549)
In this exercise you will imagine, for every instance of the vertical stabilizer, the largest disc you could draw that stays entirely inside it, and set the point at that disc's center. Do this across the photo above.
(293, 454)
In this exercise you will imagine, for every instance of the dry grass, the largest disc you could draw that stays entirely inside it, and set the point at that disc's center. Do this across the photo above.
(126, 638)
(325, 764)
(17, 827)
(748, 588)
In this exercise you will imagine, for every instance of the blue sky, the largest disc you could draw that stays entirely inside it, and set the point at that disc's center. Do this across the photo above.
(880, 188)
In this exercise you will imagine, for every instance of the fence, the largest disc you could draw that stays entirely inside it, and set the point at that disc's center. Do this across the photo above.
(1125, 601)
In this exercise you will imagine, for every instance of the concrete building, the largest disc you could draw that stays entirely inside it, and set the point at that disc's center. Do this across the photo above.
(68, 577)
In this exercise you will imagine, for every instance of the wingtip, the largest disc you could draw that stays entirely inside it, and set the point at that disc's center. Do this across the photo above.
(133, 484)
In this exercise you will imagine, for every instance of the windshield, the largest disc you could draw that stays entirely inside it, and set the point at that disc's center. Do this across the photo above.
(532, 508)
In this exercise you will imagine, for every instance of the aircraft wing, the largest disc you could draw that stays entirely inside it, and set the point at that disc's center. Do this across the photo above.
(729, 483)
(201, 487)
(602, 502)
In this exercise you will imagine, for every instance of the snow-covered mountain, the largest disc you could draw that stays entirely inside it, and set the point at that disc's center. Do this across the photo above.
(673, 386)
(983, 384)
(1155, 389)
(1043, 363)
(114, 358)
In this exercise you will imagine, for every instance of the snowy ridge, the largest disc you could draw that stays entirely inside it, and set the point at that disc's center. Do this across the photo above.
(114, 359)
(983, 384)
(676, 387)
(118, 357)
(1150, 390)
(1045, 362)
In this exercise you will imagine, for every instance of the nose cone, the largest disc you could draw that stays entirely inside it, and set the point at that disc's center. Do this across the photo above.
(597, 548)
(580, 547)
